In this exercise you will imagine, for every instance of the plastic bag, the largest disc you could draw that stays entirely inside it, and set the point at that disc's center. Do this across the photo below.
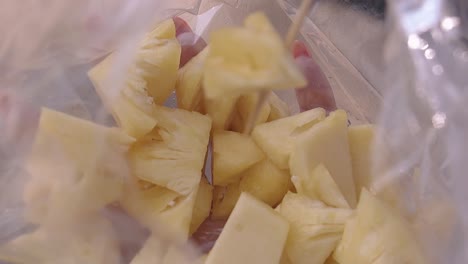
(47, 49)
(421, 146)
(46, 54)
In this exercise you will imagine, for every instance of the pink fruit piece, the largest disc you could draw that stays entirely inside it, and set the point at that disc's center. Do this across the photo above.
(318, 92)
(190, 42)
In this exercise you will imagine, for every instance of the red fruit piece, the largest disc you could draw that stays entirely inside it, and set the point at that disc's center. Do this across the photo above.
(190, 42)
(318, 92)
(181, 26)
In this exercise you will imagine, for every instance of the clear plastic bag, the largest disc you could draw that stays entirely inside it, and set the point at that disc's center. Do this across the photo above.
(419, 155)
(420, 159)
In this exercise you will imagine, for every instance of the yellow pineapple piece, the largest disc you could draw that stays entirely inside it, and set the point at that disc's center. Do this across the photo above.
(146, 203)
(233, 153)
(189, 83)
(162, 248)
(202, 205)
(266, 182)
(254, 233)
(326, 143)
(173, 154)
(301, 209)
(150, 79)
(130, 104)
(360, 141)
(277, 138)
(319, 185)
(224, 200)
(279, 109)
(76, 167)
(158, 60)
(246, 106)
(178, 216)
(154, 206)
(249, 59)
(315, 228)
(221, 111)
(377, 234)
(90, 239)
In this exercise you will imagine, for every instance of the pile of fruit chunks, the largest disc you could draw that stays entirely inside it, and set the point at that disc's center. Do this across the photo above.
(292, 191)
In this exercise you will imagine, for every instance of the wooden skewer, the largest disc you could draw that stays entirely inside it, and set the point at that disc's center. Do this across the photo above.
(297, 22)
(290, 37)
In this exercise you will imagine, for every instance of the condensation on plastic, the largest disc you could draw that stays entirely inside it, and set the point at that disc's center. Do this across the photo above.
(421, 150)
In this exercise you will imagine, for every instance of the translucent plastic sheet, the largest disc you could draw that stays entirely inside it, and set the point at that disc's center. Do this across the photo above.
(420, 155)
(421, 147)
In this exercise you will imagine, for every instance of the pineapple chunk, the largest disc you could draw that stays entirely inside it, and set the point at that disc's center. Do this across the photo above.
(150, 78)
(224, 200)
(249, 59)
(173, 154)
(303, 210)
(154, 205)
(279, 109)
(188, 87)
(179, 216)
(146, 203)
(76, 167)
(253, 234)
(277, 138)
(246, 106)
(233, 153)
(163, 249)
(202, 205)
(315, 229)
(130, 105)
(312, 244)
(266, 182)
(360, 140)
(158, 57)
(319, 185)
(377, 234)
(89, 240)
(326, 143)
(221, 111)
